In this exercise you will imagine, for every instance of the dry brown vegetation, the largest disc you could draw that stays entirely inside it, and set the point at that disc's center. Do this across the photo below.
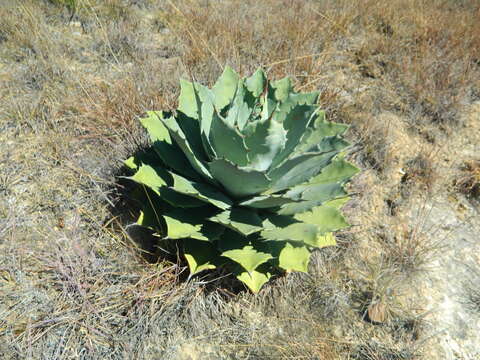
(75, 76)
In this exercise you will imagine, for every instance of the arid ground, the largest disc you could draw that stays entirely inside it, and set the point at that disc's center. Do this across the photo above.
(404, 280)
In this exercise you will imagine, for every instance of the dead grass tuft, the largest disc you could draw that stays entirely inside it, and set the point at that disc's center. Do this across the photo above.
(468, 182)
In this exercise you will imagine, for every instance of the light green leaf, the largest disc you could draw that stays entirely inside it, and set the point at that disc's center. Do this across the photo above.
(130, 163)
(201, 191)
(319, 192)
(283, 88)
(298, 169)
(239, 112)
(338, 170)
(191, 129)
(180, 138)
(306, 233)
(205, 96)
(325, 240)
(179, 200)
(337, 203)
(227, 141)
(294, 100)
(304, 98)
(239, 182)
(247, 257)
(266, 201)
(153, 178)
(327, 128)
(294, 258)
(298, 207)
(188, 103)
(295, 124)
(169, 153)
(265, 139)
(269, 106)
(225, 88)
(155, 128)
(327, 218)
(178, 229)
(200, 255)
(303, 206)
(256, 83)
(254, 280)
(242, 220)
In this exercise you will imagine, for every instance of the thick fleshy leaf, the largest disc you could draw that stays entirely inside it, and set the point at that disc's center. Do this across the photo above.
(200, 255)
(153, 178)
(201, 191)
(147, 156)
(177, 190)
(247, 257)
(225, 88)
(155, 128)
(240, 111)
(325, 240)
(256, 83)
(293, 100)
(328, 128)
(206, 99)
(242, 220)
(239, 182)
(187, 101)
(179, 229)
(191, 129)
(332, 143)
(265, 139)
(337, 203)
(255, 279)
(319, 192)
(303, 232)
(338, 171)
(228, 142)
(269, 106)
(167, 151)
(294, 257)
(283, 88)
(184, 223)
(299, 169)
(130, 163)
(179, 200)
(326, 217)
(266, 201)
(307, 205)
(303, 98)
(295, 124)
(180, 138)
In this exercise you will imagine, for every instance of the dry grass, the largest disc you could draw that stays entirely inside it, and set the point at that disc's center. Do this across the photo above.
(76, 75)
(468, 182)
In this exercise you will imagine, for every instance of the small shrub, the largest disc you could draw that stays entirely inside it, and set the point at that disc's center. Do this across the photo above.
(247, 175)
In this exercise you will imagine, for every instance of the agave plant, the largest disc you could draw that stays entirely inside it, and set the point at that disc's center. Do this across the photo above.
(247, 174)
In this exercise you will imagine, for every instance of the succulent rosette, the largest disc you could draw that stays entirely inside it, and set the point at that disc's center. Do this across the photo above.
(248, 174)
